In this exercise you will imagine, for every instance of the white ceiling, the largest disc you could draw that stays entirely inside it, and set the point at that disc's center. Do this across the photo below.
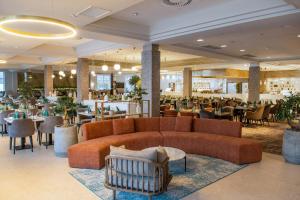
(265, 28)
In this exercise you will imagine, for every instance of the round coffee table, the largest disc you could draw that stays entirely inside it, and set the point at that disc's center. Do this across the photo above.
(174, 154)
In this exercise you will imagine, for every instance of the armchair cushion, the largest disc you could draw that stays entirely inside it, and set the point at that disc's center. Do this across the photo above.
(133, 167)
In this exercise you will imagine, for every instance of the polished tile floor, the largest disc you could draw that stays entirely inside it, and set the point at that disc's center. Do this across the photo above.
(42, 176)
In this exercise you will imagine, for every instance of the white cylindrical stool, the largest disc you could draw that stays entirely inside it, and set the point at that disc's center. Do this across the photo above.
(64, 138)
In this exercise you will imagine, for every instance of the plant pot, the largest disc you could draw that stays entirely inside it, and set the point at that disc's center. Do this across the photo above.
(291, 146)
(64, 138)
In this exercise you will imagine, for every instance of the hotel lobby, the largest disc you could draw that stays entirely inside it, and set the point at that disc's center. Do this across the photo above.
(150, 99)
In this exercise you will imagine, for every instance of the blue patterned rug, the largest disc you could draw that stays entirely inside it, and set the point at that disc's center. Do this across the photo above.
(201, 171)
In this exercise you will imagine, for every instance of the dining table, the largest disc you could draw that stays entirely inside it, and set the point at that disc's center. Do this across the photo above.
(35, 119)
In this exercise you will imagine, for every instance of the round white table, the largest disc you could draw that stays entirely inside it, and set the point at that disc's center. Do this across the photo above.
(174, 154)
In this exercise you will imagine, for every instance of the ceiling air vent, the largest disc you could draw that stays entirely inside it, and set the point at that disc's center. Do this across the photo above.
(249, 55)
(92, 12)
(211, 47)
(177, 3)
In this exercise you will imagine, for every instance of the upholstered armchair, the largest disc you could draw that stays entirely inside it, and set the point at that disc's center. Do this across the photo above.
(136, 175)
(256, 116)
(48, 126)
(3, 115)
(266, 113)
(20, 128)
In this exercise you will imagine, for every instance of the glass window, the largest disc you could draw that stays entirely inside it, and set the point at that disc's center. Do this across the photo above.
(103, 82)
(2, 81)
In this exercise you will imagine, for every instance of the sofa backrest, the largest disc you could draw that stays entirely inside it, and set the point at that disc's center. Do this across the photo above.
(147, 124)
(97, 129)
(123, 126)
(219, 127)
(167, 123)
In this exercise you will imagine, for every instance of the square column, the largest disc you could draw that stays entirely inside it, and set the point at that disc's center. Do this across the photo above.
(151, 77)
(187, 82)
(48, 80)
(254, 83)
(11, 83)
(82, 79)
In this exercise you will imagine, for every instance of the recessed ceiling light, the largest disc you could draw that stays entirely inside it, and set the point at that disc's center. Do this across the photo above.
(242, 50)
(200, 40)
(3, 61)
(268, 57)
(298, 36)
(223, 46)
(135, 13)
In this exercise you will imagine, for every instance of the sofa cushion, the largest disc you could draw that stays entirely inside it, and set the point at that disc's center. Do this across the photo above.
(146, 124)
(123, 126)
(236, 150)
(91, 154)
(97, 129)
(219, 127)
(184, 124)
(167, 123)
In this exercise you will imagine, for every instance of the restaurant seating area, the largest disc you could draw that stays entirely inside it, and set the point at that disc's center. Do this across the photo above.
(140, 99)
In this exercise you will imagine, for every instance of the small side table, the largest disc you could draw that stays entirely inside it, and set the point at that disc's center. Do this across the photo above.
(64, 138)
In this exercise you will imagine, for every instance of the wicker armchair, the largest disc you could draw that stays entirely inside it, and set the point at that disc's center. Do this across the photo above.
(256, 116)
(145, 177)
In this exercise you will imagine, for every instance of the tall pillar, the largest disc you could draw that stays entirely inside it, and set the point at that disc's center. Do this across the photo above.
(11, 82)
(82, 79)
(254, 82)
(48, 80)
(187, 82)
(151, 77)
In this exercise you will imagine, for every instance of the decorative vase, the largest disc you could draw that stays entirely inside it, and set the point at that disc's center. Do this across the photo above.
(291, 146)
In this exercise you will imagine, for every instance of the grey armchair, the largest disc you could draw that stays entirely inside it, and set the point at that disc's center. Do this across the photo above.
(47, 127)
(3, 115)
(20, 128)
(136, 175)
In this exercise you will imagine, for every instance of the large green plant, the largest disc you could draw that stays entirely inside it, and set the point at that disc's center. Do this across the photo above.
(25, 90)
(66, 104)
(289, 110)
(137, 91)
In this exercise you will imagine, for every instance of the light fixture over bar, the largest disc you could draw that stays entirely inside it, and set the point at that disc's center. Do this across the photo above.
(4, 22)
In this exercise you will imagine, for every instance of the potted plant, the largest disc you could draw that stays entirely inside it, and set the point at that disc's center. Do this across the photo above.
(66, 107)
(289, 110)
(137, 92)
(65, 135)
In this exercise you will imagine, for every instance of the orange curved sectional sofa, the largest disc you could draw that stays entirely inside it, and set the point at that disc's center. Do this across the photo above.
(215, 138)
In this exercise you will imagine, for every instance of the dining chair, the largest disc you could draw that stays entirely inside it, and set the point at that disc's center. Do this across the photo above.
(207, 114)
(20, 128)
(48, 126)
(3, 115)
(266, 114)
(256, 116)
(170, 113)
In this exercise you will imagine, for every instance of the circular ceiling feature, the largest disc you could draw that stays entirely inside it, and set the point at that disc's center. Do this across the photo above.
(177, 3)
(37, 27)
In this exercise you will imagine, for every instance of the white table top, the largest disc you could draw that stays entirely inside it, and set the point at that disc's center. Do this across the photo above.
(173, 153)
(35, 119)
